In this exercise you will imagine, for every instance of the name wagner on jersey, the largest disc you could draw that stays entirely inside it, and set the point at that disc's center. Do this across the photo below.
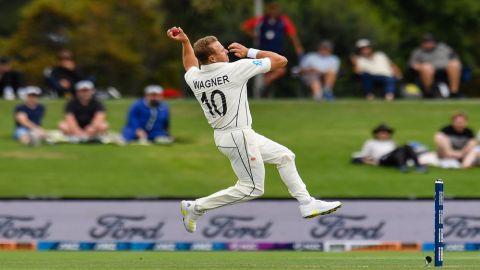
(211, 82)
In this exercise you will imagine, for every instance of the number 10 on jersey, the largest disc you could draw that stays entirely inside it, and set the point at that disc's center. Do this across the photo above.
(212, 106)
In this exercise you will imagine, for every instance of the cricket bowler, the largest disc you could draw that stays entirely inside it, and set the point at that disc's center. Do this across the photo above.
(221, 89)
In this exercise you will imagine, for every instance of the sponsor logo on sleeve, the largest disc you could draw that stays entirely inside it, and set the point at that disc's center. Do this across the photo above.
(257, 63)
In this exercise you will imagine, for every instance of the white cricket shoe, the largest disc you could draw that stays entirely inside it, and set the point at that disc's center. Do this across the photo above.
(190, 215)
(318, 208)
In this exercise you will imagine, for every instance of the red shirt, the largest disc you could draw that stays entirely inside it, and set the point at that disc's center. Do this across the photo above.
(252, 23)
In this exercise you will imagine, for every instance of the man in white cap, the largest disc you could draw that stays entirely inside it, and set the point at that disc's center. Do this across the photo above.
(85, 116)
(28, 118)
(319, 71)
(374, 67)
(148, 118)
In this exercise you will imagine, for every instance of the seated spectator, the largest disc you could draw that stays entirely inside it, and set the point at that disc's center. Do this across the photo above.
(432, 58)
(456, 141)
(319, 71)
(28, 118)
(374, 67)
(85, 116)
(63, 77)
(10, 80)
(148, 118)
(472, 158)
(382, 150)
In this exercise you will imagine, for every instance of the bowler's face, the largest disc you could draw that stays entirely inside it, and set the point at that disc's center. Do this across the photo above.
(221, 54)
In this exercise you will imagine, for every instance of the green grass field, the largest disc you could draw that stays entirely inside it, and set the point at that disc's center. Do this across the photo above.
(231, 260)
(323, 136)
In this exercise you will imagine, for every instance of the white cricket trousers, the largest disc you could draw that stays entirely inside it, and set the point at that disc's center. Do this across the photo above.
(247, 151)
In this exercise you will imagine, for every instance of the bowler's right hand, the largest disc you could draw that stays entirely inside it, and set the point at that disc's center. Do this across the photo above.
(238, 50)
(180, 37)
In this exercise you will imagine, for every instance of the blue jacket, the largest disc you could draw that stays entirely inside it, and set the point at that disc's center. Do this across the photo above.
(155, 121)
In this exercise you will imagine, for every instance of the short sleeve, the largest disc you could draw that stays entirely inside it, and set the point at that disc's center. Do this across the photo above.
(99, 107)
(415, 57)
(306, 61)
(70, 107)
(189, 74)
(336, 63)
(445, 130)
(289, 26)
(385, 57)
(251, 23)
(366, 151)
(469, 133)
(19, 108)
(42, 110)
(247, 68)
(449, 51)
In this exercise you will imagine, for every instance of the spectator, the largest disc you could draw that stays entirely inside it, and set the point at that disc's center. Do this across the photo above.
(433, 59)
(374, 67)
(28, 118)
(85, 116)
(382, 150)
(10, 80)
(318, 67)
(472, 158)
(270, 30)
(65, 75)
(456, 141)
(148, 118)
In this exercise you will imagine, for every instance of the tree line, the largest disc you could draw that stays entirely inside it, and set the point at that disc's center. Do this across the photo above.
(122, 42)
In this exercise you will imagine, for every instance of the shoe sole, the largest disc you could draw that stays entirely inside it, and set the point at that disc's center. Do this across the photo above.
(316, 214)
(183, 210)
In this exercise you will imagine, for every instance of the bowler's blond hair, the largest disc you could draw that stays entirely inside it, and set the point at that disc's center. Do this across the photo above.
(202, 48)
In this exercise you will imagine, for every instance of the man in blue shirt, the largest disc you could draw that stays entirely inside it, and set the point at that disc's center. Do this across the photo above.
(148, 118)
(28, 118)
(319, 71)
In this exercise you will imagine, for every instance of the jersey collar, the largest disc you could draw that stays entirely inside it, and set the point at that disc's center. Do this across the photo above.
(212, 66)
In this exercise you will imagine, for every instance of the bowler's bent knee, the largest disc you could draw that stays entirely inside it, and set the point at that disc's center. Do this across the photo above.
(251, 191)
(286, 158)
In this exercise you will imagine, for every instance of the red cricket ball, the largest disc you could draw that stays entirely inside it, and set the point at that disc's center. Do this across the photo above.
(175, 31)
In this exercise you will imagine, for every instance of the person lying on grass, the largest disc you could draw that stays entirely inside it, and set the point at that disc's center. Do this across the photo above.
(382, 151)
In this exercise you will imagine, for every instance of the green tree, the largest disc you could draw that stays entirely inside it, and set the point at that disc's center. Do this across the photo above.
(116, 41)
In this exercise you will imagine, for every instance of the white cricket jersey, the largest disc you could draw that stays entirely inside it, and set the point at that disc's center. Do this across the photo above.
(221, 89)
